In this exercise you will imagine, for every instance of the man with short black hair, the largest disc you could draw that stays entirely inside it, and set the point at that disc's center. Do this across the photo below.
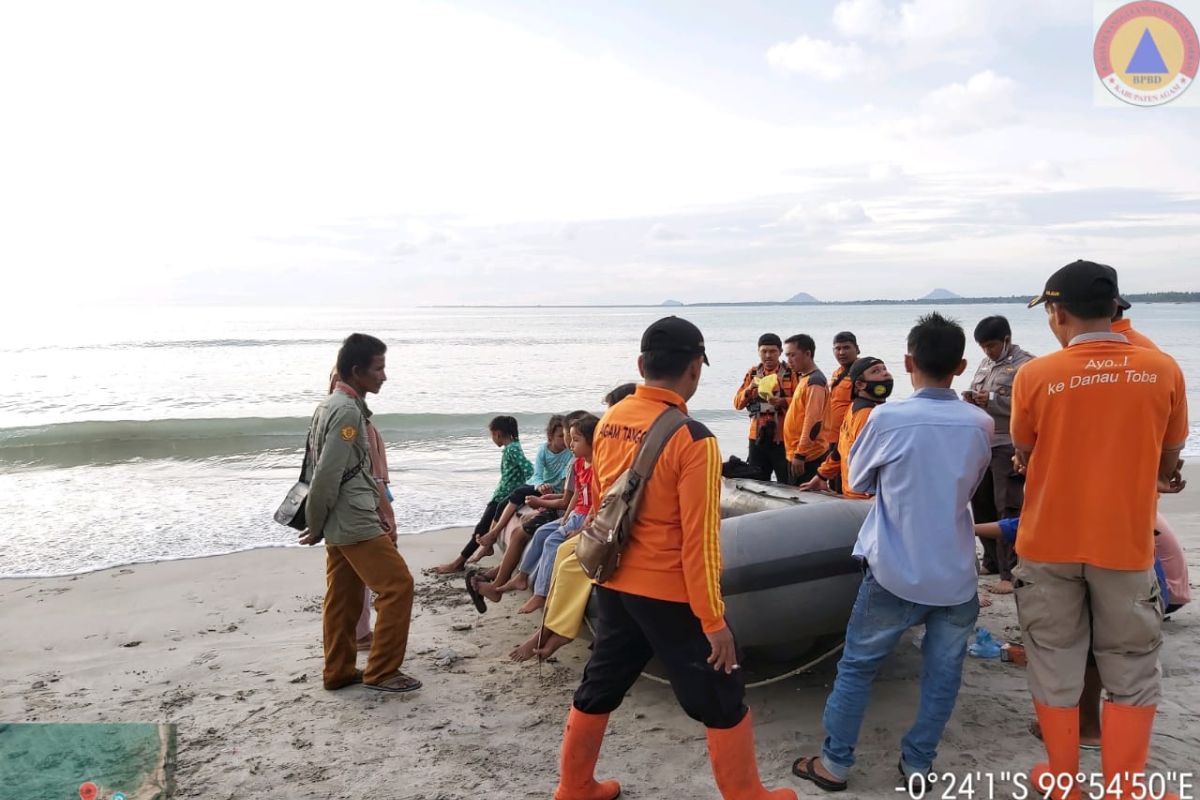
(765, 393)
(342, 508)
(841, 392)
(922, 459)
(664, 600)
(1098, 426)
(807, 434)
(1001, 494)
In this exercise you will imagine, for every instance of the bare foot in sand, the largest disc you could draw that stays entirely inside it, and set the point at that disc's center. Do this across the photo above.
(985, 601)
(489, 590)
(1001, 587)
(551, 644)
(517, 583)
(526, 649)
(453, 568)
(532, 604)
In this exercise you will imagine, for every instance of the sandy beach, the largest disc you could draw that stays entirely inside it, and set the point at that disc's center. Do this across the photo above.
(228, 648)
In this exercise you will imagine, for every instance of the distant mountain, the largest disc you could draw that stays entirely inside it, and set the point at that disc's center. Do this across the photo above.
(942, 294)
(803, 298)
(671, 303)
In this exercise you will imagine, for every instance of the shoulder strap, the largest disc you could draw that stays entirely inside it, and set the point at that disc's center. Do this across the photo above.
(661, 431)
(308, 446)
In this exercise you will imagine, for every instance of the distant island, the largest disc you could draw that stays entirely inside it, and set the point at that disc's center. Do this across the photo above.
(809, 300)
(946, 297)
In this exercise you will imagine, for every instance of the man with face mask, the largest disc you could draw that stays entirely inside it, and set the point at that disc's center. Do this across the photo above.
(872, 383)
(1001, 494)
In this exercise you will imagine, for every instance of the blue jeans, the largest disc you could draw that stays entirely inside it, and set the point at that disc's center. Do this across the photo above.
(877, 622)
(533, 553)
(545, 569)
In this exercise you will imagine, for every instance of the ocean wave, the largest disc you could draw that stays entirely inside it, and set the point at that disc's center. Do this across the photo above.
(105, 441)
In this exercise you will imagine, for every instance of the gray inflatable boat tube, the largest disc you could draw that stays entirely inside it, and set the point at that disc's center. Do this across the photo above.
(789, 577)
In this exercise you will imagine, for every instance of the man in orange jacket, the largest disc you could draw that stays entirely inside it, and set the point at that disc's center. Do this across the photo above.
(767, 409)
(1086, 539)
(665, 599)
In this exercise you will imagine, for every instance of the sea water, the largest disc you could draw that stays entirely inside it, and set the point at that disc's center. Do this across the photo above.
(136, 434)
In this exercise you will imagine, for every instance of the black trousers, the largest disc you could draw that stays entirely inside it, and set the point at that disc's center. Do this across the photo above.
(810, 471)
(539, 519)
(629, 631)
(490, 512)
(520, 495)
(769, 458)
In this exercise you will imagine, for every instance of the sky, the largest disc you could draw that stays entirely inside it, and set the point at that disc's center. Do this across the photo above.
(598, 151)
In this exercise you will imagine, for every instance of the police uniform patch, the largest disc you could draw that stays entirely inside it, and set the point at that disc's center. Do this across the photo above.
(348, 433)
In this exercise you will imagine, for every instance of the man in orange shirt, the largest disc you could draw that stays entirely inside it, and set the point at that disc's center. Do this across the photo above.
(806, 430)
(665, 599)
(767, 453)
(1086, 537)
(872, 383)
(1125, 328)
(841, 392)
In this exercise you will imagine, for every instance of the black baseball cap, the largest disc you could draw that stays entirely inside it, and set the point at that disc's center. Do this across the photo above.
(674, 335)
(1081, 281)
(861, 365)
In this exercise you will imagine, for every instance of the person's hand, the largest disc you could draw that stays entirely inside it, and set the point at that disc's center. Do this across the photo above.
(309, 538)
(751, 393)
(981, 399)
(724, 651)
(817, 484)
(796, 466)
(535, 502)
(1020, 462)
(1175, 483)
(545, 488)
(968, 395)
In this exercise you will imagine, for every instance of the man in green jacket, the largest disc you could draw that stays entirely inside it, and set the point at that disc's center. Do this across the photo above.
(342, 508)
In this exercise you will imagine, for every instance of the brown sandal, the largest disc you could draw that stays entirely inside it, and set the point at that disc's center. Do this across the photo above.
(397, 684)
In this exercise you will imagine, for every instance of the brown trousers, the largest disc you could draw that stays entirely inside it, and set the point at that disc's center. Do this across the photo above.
(1067, 609)
(378, 565)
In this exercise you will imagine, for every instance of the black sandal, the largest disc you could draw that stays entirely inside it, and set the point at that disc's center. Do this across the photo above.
(476, 597)
(803, 768)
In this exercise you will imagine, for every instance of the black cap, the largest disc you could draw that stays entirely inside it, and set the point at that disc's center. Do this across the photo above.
(770, 340)
(1081, 281)
(675, 335)
(861, 365)
(845, 336)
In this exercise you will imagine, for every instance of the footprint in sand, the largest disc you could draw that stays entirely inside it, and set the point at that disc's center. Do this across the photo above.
(205, 657)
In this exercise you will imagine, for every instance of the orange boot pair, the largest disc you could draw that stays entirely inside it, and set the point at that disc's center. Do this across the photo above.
(731, 752)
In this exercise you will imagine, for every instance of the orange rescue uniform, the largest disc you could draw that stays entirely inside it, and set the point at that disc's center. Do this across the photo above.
(1112, 407)
(674, 550)
(807, 431)
(839, 459)
(787, 384)
(1125, 328)
(841, 392)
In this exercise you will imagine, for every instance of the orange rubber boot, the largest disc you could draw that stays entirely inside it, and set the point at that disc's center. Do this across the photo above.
(1060, 733)
(577, 763)
(1125, 747)
(731, 751)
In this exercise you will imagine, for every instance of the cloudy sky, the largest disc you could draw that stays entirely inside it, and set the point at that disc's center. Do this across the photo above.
(598, 151)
